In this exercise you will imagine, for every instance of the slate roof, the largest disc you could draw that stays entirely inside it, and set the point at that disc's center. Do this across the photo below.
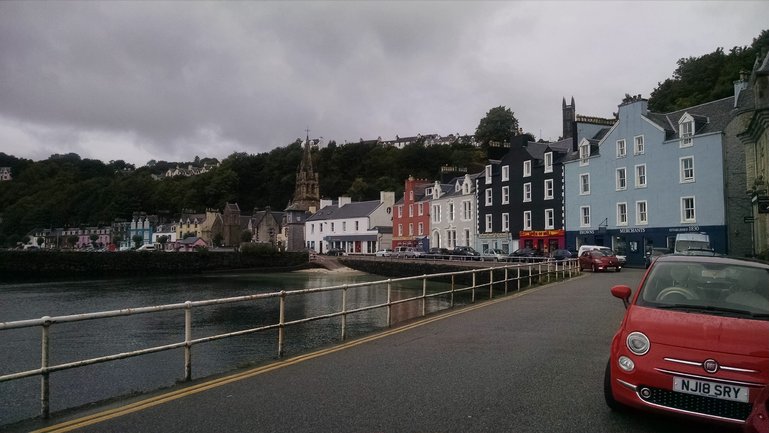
(351, 210)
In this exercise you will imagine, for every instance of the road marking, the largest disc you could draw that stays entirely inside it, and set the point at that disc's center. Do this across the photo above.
(215, 383)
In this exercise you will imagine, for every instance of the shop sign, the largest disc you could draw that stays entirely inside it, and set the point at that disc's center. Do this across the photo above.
(633, 230)
(540, 233)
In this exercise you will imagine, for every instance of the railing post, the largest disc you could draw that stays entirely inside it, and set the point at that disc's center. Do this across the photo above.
(424, 295)
(344, 312)
(389, 302)
(507, 279)
(472, 298)
(45, 410)
(281, 324)
(491, 283)
(187, 341)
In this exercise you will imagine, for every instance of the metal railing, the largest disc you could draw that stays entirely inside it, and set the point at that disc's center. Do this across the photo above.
(541, 272)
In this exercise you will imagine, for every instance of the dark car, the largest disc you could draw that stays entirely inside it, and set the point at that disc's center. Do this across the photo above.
(525, 255)
(438, 252)
(562, 254)
(599, 260)
(465, 253)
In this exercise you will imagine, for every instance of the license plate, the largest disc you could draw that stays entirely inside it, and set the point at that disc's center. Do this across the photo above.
(721, 391)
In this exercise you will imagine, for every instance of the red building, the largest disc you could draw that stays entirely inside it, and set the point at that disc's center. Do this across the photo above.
(411, 215)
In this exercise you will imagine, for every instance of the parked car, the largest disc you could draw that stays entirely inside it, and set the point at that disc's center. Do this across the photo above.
(562, 254)
(335, 252)
(525, 254)
(494, 255)
(465, 253)
(693, 341)
(622, 258)
(599, 260)
(408, 252)
(438, 252)
(384, 252)
(653, 254)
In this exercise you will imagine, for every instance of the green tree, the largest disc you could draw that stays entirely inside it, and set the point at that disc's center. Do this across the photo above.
(498, 125)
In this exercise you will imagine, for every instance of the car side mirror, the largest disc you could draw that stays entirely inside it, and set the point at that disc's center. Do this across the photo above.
(622, 292)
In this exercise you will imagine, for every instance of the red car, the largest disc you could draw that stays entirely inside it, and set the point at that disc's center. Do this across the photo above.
(694, 340)
(599, 260)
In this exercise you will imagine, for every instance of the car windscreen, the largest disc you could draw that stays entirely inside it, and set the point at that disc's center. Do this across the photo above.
(708, 288)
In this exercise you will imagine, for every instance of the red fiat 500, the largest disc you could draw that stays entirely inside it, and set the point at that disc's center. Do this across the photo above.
(694, 340)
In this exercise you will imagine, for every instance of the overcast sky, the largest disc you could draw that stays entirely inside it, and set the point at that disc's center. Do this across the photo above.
(168, 81)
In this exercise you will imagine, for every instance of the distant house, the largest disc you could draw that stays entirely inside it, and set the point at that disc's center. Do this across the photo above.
(190, 244)
(453, 212)
(5, 173)
(354, 227)
(411, 215)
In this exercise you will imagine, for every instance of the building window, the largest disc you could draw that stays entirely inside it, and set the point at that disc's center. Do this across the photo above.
(638, 146)
(488, 223)
(641, 216)
(584, 153)
(686, 131)
(584, 184)
(548, 189)
(621, 214)
(505, 194)
(505, 222)
(488, 174)
(548, 162)
(436, 213)
(527, 220)
(687, 169)
(451, 211)
(467, 210)
(505, 172)
(621, 179)
(621, 149)
(527, 168)
(688, 214)
(549, 219)
(584, 212)
(527, 191)
(640, 176)
(488, 197)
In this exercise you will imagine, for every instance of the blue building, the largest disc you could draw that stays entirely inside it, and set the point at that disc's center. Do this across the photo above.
(650, 177)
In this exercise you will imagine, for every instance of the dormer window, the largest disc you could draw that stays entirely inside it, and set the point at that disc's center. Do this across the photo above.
(584, 153)
(686, 130)
(548, 162)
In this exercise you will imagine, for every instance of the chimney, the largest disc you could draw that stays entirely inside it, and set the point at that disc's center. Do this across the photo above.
(740, 85)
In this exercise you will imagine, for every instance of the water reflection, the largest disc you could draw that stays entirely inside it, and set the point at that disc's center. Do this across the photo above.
(20, 349)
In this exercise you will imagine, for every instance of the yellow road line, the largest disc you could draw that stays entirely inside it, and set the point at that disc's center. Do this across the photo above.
(215, 383)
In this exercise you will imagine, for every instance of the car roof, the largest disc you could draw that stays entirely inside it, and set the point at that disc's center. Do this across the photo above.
(712, 259)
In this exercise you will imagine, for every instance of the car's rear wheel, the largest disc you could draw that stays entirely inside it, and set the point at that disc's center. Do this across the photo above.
(608, 395)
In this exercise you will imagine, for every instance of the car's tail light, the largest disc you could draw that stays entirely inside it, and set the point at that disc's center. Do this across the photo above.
(638, 343)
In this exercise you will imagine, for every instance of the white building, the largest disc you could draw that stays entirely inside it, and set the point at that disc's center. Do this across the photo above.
(355, 227)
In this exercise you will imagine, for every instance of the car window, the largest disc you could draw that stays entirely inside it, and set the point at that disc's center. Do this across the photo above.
(709, 288)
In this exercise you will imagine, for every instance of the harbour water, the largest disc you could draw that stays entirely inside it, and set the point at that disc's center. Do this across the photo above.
(20, 349)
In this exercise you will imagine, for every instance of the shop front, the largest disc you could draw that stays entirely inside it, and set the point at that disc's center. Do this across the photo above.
(542, 240)
(636, 242)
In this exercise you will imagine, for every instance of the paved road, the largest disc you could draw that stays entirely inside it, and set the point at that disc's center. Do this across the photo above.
(529, 363)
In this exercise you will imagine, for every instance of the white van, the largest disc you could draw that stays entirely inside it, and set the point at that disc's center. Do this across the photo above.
(692, 241)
